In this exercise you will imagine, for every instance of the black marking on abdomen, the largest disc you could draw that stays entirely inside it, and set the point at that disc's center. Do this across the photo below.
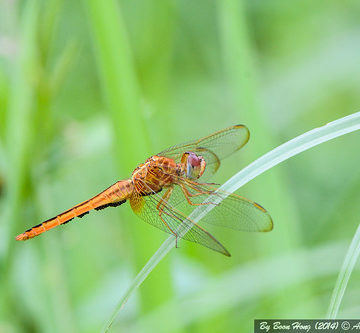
(67, 221)
(35, 226)
(112, 204)
(83, 214)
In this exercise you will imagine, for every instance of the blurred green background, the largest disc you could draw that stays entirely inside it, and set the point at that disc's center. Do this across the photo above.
(89, 89)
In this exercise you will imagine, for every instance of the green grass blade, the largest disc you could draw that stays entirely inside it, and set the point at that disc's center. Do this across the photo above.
(118, 80)
(291, 148)
(351, 257)
(240, 61)
(122, 91)
(18, 136)
(20, 127)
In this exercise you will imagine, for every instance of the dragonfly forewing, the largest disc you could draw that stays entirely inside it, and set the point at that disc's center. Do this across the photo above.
(213, 148)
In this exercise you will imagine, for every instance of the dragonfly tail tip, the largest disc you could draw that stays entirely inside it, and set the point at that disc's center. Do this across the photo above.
(20, 237)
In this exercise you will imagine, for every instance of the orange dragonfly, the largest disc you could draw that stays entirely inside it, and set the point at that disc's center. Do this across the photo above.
(162, 189)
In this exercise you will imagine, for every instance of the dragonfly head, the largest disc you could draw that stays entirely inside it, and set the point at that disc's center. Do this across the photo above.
(194, 165)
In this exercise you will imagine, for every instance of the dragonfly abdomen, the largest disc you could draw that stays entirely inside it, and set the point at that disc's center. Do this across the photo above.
(113, 196)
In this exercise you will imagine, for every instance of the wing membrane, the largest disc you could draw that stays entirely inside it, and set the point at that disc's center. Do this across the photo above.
(233, 211)
(174, 221)
(229, 210)
(213, 147)
(239, 213)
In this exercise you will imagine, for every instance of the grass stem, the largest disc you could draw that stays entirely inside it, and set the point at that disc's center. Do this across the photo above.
(351, 257)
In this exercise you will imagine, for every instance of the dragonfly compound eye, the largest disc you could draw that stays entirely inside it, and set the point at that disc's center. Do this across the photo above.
(195, 166)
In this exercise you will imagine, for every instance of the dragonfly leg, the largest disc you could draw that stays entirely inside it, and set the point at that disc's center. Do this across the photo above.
(163, 200)
(200, 191)
(191, 182)
(187, 195)
(174, 233)
(160, 207)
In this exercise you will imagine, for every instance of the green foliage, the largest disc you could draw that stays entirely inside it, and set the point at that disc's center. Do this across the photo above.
(90, 89)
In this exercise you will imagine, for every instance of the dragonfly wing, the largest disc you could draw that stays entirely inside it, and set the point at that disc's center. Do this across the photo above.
(213, 147)
(150, 207)
(232, 211)
(239, 213)
(229, 209)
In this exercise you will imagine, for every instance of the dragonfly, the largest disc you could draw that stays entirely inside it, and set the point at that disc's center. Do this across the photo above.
(162, 190)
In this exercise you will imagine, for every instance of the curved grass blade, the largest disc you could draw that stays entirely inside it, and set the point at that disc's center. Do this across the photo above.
(351, 257)
(291, 148)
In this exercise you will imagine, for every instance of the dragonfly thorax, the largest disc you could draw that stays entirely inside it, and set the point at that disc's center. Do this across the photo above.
(193, 165)
(157, 172)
